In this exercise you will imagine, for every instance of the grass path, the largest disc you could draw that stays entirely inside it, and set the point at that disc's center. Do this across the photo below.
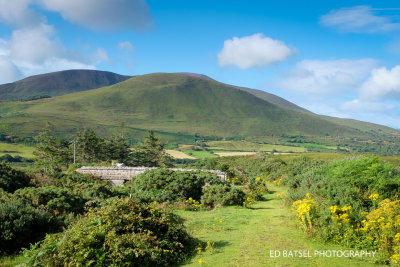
(244, 237)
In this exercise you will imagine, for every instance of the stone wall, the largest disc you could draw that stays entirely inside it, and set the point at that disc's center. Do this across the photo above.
(118, 175)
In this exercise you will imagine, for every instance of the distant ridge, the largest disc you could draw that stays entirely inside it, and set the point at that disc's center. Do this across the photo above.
(58, 83)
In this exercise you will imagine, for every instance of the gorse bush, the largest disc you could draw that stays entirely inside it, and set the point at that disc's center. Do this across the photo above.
(222, 195)
(21, 224)
(11, 179)
(56, 200)
(123, 232)
(163, 185)
(344, 208)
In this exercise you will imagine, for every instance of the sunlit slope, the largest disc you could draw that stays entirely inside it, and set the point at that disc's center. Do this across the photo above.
(175, 103)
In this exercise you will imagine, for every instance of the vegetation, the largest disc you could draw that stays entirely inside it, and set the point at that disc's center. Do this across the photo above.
(57, 83)
(121, 233)
(11, 179)
(21, 224)
(163, 185)
(173, 105)
(219, 195)
(353, 202)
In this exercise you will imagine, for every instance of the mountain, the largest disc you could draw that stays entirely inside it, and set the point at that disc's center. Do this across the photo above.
(58, 83)
(182, 105)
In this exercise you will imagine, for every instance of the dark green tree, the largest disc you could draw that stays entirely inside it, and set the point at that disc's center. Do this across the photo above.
(118, 149)
(90, 148)
(152, 153)
(52, 153)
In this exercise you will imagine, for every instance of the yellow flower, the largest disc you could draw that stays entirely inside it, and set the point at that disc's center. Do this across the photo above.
(333, 209)
(346, 208)
(258, 179)
(397, 237)
(201, 261)
(374, 197)
(395, 258)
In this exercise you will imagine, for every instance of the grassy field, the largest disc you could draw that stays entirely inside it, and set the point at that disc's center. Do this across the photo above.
(16, 150)
(231, 154)
(199, 154)
(178, 154)
(245, 237)
(311, 145)
(249, 146)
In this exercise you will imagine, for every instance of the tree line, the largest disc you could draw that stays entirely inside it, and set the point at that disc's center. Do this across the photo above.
(53, 154)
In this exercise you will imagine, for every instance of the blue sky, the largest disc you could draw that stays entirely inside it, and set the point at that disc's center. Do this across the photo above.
(338, 58)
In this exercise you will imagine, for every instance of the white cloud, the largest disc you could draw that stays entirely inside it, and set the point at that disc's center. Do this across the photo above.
(382, 84)
(8, 71)
(358, 89)
(103, 14)
(253, 51)
(126, 46)
(359, 19)
(327, 77)
(36, 50)
(18, 13)
(35, 45)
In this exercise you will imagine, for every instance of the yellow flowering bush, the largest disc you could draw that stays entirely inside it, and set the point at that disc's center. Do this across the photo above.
(382, 225)
(305, 210)
(248, 201)
(192, 204)
(374, 197)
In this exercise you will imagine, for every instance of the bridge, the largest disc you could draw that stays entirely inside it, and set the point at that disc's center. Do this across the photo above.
(119, 175)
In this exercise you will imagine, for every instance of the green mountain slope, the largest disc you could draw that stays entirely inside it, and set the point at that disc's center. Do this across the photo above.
(179, 106)
(58, 83)
(274, 99)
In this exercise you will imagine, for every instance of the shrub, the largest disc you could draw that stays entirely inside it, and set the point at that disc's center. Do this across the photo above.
(56, 200)
(256, 188)
(166, 185)
(123, 232)
(345, 209)
(222, 195)
(22, 224)
(11, 180)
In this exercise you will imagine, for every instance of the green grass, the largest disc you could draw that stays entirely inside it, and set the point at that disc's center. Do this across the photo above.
(17, 150)
(250, 146)
(199, 154)
(11, 261)
(311, 145)
(246, 236)
(174, 104)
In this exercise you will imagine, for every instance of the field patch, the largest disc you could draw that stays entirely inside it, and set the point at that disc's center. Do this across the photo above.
(16, 150)
(246, 146)
(231, 154)
(178, 154)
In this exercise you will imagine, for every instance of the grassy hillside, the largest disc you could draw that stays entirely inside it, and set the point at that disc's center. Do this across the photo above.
(180, 106)
(58, 83)
(171, 103)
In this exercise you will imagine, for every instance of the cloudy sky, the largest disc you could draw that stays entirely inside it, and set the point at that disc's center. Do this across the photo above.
(338, 58)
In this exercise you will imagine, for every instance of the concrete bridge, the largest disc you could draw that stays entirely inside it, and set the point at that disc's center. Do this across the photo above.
(119, 175)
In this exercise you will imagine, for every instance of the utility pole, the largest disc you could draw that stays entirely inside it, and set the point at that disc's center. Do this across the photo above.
(74, 143)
